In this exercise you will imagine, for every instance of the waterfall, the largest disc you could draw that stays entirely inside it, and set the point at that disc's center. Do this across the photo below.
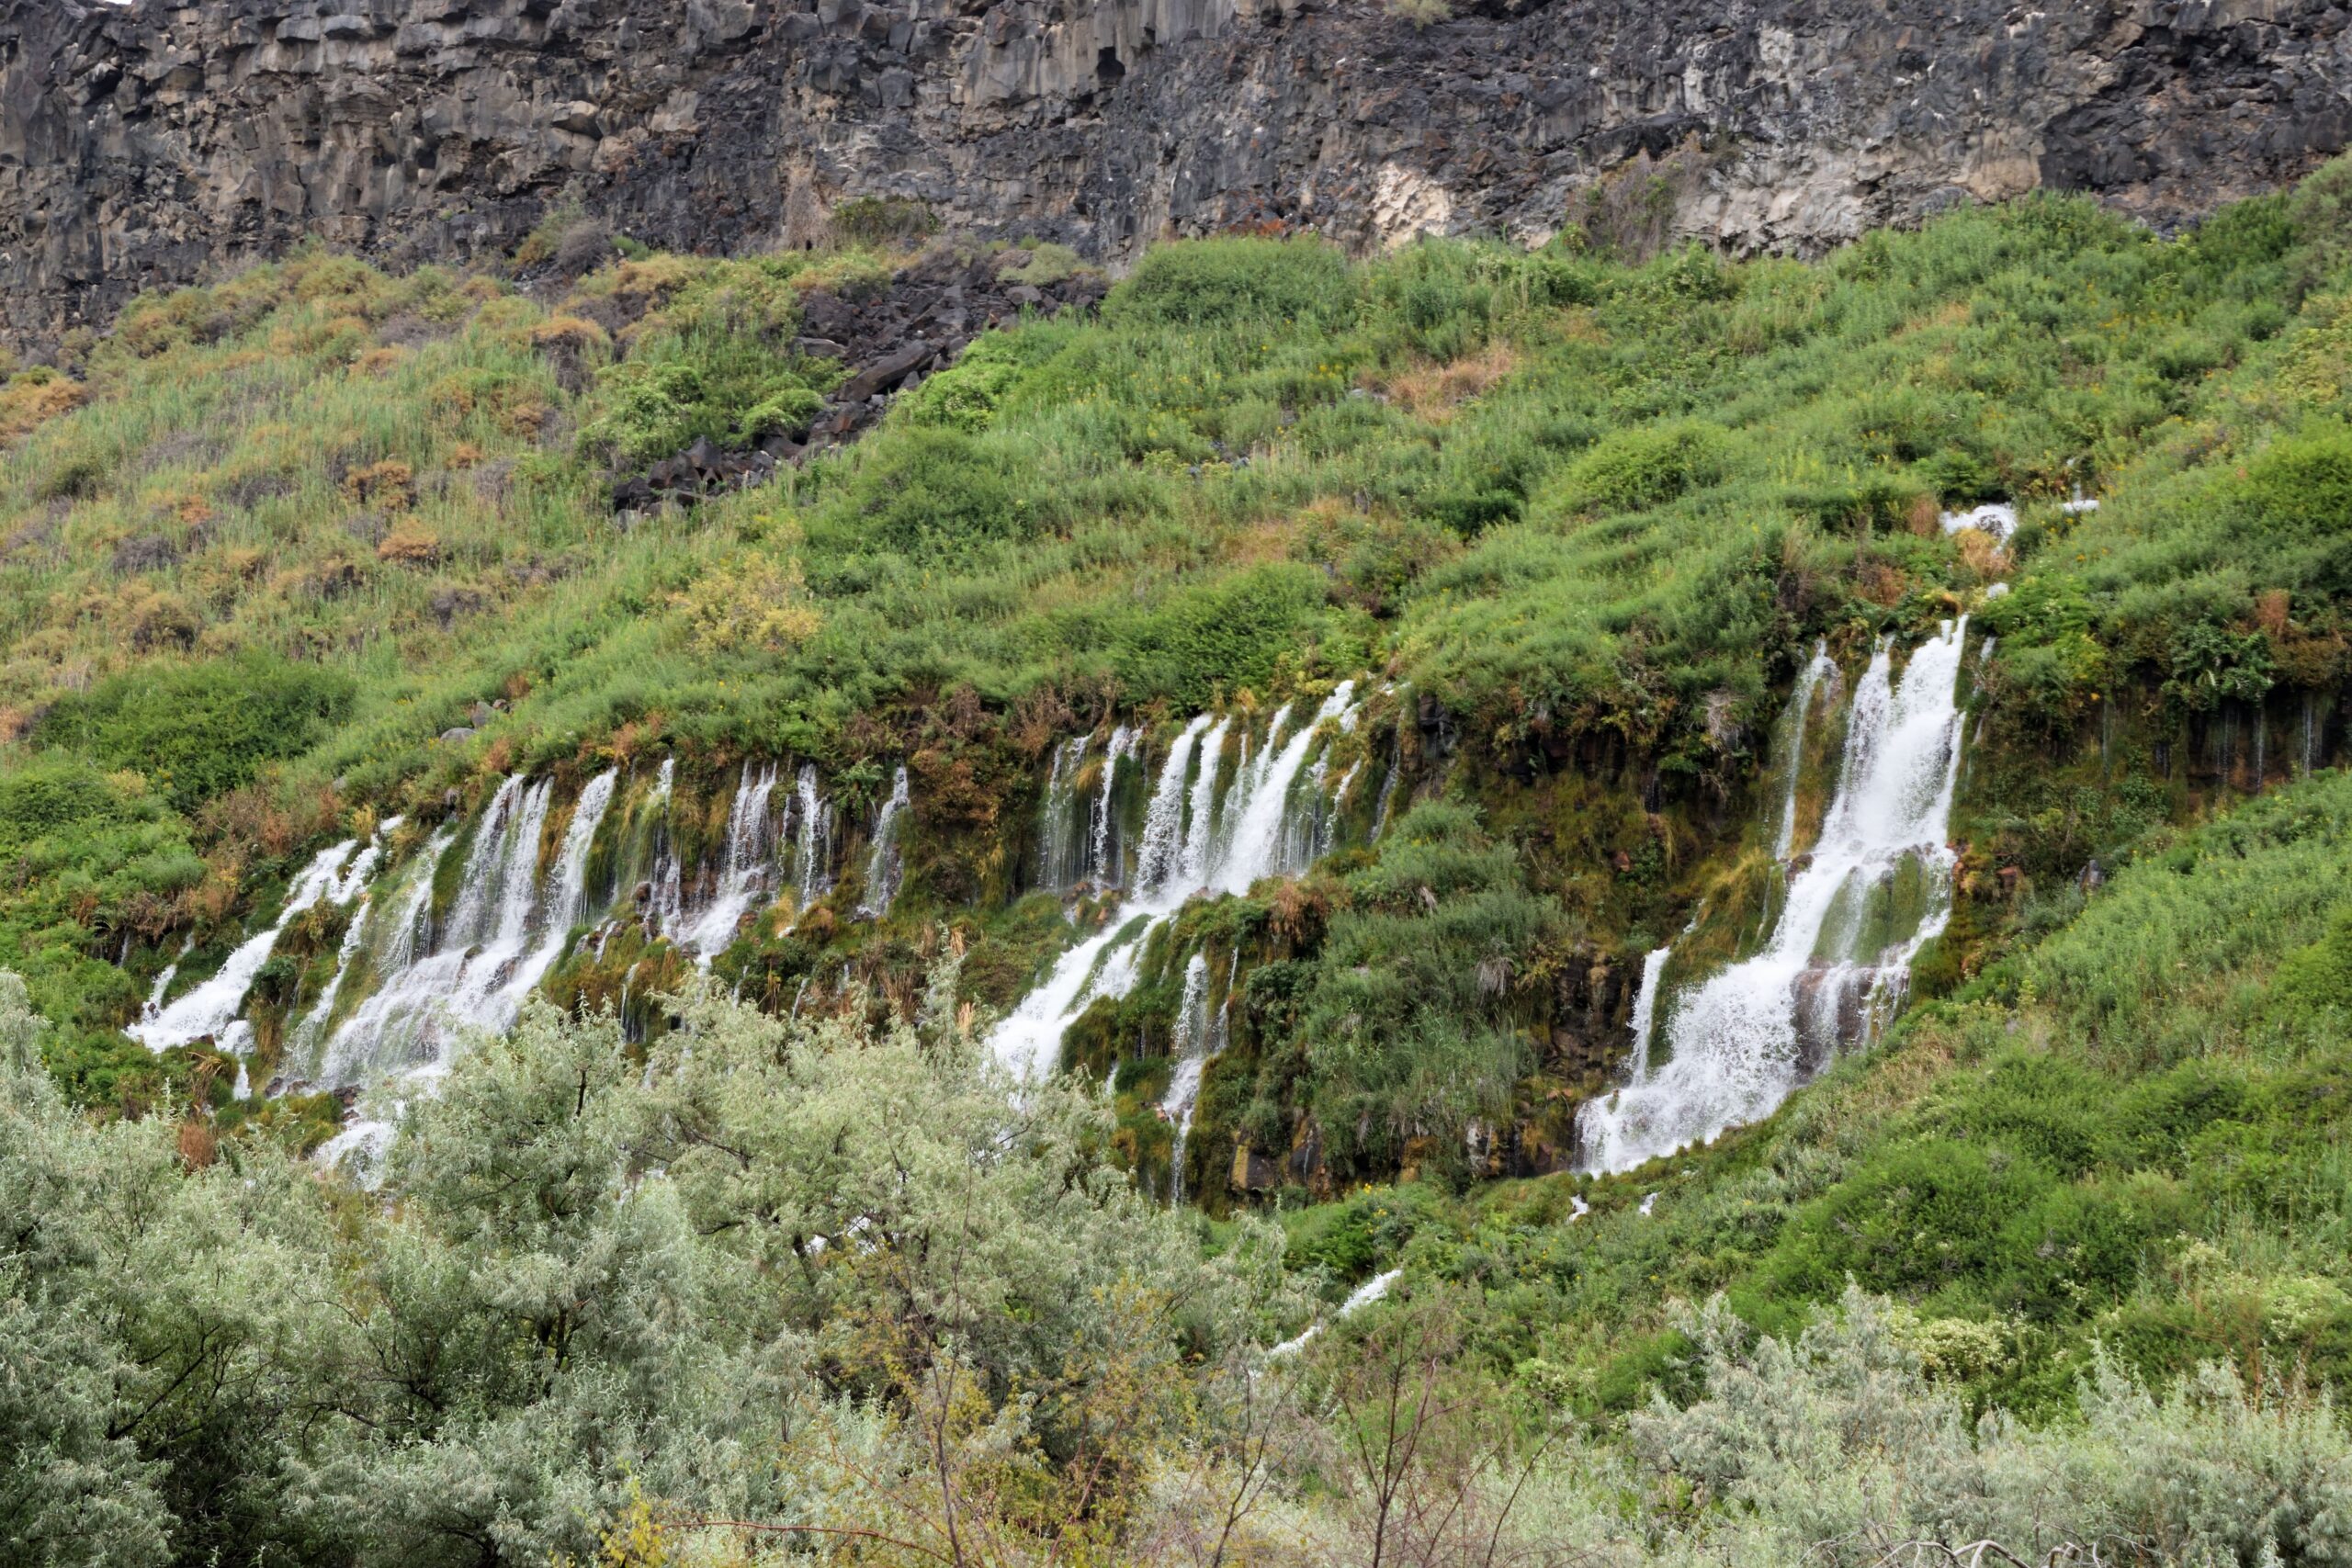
(885, 866)
(1327, 835)
(305, 1036)
(507, 929)
(154, 1007)
(1218, 858)
(566, 903)
(745, 870)
(1059, 857)
(208, 1009)
(1878, 885)
(1200, 829)
(813, 853)
(1362, 1296)
(1819, 667)
(1645, 1011)
(1162, 858)
(1388, 785)
(1103, 860)
(2313, 731)
(1190, 1048)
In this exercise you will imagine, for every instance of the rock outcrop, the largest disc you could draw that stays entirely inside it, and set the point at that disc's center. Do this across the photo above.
(143, 144)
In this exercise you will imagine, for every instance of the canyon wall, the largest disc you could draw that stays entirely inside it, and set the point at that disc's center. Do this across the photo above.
(146, 144)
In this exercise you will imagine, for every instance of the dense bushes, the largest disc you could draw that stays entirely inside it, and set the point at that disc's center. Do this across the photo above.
(1213, 640)
(1644, 466)
(203, 730)
(1285, 284)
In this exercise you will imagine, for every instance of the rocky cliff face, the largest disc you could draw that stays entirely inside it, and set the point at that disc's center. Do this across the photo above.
(142, 143)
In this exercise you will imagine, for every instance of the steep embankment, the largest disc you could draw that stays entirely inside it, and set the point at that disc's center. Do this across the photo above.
(143, 144)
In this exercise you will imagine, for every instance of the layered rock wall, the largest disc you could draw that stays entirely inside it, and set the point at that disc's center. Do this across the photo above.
(147, 143)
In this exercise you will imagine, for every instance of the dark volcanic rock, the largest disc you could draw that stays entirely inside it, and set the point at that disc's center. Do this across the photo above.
(143, 144)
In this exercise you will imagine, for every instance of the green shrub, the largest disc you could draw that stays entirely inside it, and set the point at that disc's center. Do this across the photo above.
(1632, 469)
(965, 395)
(201, 730)
(1411, 1026)
(713, 362)
(2303, 482)
(1212, 639)
(2312, 989)
(1234, 282)
(939, 493)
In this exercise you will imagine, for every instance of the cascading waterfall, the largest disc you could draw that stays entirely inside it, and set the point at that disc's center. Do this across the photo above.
(1818, 669)
(1388, 785)
(1103, 859)
(885, 866)
(1163, 855)
(813, 851)
(1645, 1011)
(1878, 886)
(507, 929)
(1059, 853)
(154, 1007)
(1228, 843)
(305, 1037)
(1189, 1047)
(1200, 828)
(746, 870)
(209, 1009)
(1326, 826)
(421, 976)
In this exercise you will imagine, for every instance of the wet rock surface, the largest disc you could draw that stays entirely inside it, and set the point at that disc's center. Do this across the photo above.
(144, 145)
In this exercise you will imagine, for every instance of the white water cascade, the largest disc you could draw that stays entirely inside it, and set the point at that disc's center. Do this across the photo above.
(507, 929)
(813, 850)
(1819, 670)
(1229, 841)
(1191, 1049)
(1060, 855)
(1103, 859)
(209, 1010)
(1162, 859)
(746, 870)
(1645, 1011)
(154, 1007)
(885, 866)
(1877, 886)
(1373, 1290)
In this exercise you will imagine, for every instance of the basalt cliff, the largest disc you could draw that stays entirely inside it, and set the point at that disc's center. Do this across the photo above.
(146, 144)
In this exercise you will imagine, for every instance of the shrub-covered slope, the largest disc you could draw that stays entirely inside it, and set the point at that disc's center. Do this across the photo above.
(1589, 516)
(316, 548)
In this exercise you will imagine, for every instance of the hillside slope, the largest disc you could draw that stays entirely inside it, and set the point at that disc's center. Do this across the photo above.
(1359, 736)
